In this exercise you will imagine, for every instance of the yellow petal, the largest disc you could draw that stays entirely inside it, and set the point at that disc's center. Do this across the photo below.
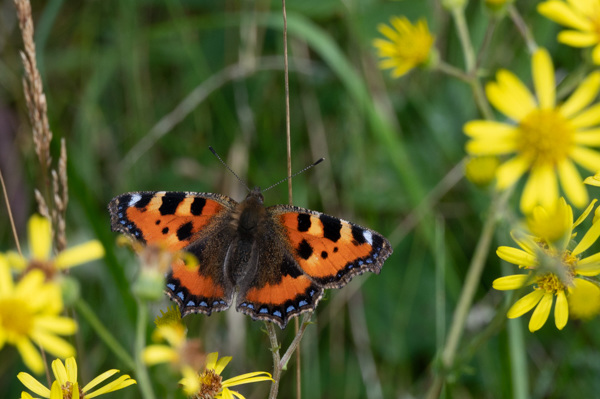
(248, 378)
(33, 385)
(596, 55)
(527, 242)
(589, 159)
(585, 213)
(510, 171)
(575, 38)
(57, 325)
(98, 380)
(561, 13)
(155, 354)
(593, 180)
(71, 366)
(572, 184)
(79, 254)
(584, 299)
(540, 188)
(53, 344)
(541, 313)
(56, 391)
(484, 128)
(589, 137)
(6, 280)
(30, 355)
(222, 363)
(58, 368)
(508, 96)
(589, 266)
(513, 282)
(543, 79)
(588, 239)
(491, 146)
(211, 360)
(40, 237)
(516, 256)
(120, 383)
(589, 117)
(525, 304)
(582, 97)
(561, 310)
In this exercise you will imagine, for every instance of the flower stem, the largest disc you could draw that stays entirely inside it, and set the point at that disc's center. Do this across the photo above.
(276, 359)
(458, 14)
(143, 378)
(522, 27)
(84, 310)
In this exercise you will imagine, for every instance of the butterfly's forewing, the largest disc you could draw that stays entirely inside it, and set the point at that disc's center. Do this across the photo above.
(176, 220)
(330, 250)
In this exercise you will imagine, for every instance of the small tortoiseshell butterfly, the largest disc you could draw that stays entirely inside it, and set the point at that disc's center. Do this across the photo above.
(277, 259)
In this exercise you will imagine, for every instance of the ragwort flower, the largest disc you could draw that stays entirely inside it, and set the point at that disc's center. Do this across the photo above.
(582, 16)
(408, 46)
(66, 386)
(555, 271)
(546, 139)
(40, 247)
(210, 384)
(29, 313)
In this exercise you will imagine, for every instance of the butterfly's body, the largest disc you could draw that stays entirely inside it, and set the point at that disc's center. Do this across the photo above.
(277, 259)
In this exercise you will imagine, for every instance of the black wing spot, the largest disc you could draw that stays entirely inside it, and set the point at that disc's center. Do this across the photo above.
(197, 206)
(303, 222)
(157, 222)
(165, 230)
(305, 250)
(144, 201)
(335, 249)
(331, 227)
(185, 231)
(170, 203)
(358, 235)
(324, 254)
(289, 269)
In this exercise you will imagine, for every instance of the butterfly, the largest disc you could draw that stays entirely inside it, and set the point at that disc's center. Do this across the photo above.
(277, 260)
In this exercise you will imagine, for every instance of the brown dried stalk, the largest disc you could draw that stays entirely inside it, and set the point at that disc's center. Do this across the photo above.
(32, 83)
(61, 198)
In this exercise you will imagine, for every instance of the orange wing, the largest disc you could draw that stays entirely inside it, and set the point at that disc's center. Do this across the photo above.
(330, 250)
(181, 220)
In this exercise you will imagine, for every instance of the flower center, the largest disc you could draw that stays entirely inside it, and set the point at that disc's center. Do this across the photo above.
(210, 385)
(16, 319)
(67, 391)
(546, 137)
(553, 282)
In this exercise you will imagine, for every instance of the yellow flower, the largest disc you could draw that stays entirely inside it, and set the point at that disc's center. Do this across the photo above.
(66, 386)
(408, 46)
(210, 384)
(547, 139)
(179, 351)
(554, 270)
(29, 311)
(40, 247)
(583, 16)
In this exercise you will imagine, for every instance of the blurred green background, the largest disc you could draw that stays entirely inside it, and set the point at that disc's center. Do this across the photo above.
(140, 89)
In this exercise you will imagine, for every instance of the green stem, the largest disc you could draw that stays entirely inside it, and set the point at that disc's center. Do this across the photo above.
(276, 359)
(522, 27)
(88, 314)
(143, 379)
(471, 62)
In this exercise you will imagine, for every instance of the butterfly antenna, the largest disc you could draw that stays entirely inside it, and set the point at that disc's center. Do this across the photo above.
(318, 161)
(228, 168)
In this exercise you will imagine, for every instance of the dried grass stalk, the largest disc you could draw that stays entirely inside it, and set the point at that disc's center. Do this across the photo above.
(34, 91)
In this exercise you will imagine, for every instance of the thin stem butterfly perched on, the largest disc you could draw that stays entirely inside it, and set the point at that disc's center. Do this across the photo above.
(277, 260)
